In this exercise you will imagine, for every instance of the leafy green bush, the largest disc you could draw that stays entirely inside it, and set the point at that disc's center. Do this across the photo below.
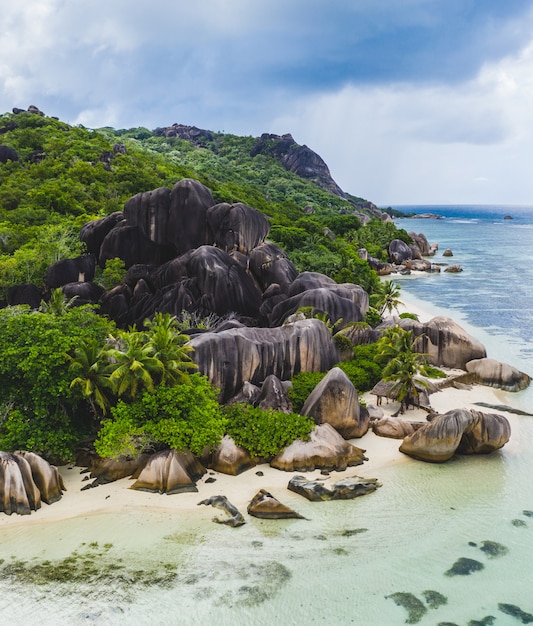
(372, 317)
(265, 433)
(185, 416)
(302, 385)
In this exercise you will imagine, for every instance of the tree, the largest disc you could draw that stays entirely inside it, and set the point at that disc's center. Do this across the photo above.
(57, 304)
(403, 365)
(386, 297)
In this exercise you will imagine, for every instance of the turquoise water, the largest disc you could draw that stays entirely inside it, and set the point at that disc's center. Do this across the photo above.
(342, 564)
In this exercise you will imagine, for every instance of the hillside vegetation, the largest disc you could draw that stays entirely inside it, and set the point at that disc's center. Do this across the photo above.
(68, 175)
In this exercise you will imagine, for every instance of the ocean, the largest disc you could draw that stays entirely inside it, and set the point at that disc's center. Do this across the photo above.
(384, 559)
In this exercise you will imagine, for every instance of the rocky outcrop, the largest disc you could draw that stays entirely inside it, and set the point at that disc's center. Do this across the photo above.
(234, 516)
(462, 431)
(394, 428)
(80, 269)
(231, 357)
(399, 252)
(197, 136)
(237, 227)
(26, 480)
(274, 395)
(83, 292)
(269, 265)
(326, 449)
(229, 458)
(264, 506)
(493, 373)
(335, 401)
(26, 293)
(445, 342)
(169, 472)
(345, 489)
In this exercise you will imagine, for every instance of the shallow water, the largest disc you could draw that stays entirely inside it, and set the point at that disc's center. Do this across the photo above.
(342, 564)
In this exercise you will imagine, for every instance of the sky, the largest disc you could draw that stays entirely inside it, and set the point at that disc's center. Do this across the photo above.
(408, 101)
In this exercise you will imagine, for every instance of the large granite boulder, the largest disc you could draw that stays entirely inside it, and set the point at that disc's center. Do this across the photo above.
(444, 342)
(131, 245)
(187, 222)
(237, 226)
(66, 271)
(309, 280)
(26, 293)
(269, 265)
(229, 458)
(265, 506)
(326, 449)
(335, 401)
(496, 374)
(337, 301)
(8, 154)
(399, 252)
(345, 489)
(231, 357)
(93, 233)
(421, 242)
(106, 470)
(393, 427)
(25, 480)
(47, 477)
(169, 472)
(274, 395)
(85, 293)
(149, 212)
(461, 430)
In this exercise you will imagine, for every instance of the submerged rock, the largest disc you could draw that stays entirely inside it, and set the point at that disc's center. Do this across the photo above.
(346, 489)
(234, 518)
(265, 506)
(464, 567)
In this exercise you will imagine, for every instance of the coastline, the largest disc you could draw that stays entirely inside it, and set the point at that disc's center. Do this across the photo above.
(117, 498)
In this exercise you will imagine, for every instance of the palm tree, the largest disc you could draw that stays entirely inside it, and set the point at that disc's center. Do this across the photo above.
(57, 304)
(386, 297)
(168, 346)
(91, 365)
(404, 366)
(133, 365)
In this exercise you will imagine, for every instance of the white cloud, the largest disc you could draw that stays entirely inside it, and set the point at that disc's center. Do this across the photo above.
(423, 143)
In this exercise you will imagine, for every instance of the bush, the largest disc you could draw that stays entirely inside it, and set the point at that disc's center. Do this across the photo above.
(302, 385)
(265, 433)
(186, 416)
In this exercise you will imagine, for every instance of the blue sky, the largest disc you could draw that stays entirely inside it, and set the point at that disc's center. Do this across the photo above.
(408, 101)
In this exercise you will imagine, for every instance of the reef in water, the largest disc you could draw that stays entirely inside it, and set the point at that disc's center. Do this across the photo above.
(516, 611)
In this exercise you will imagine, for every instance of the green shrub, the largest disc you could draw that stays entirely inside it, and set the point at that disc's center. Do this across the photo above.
(186, 416)
(265, 433)
(302, 385)
(372, 317)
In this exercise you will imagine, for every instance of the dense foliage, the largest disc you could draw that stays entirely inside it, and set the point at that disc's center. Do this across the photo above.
(265, 433)
(185, 416)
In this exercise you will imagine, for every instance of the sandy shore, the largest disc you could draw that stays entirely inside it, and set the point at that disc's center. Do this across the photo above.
(117, 497)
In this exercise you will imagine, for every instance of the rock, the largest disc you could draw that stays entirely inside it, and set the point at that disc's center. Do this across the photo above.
(237, 226)
(345, 489)
(394, 428)
(234, 518)
(399, 252)
(309, 280)
(418, 265)
(274, 395)
(229, 458)
(26, 293)
(326, 449)
(269, 265)
(18, 491)
(149, 212)
(454, 269)
(85, 293)
(265, 506)
(168, 472)
(232, 357)
(7, 154)
(93, 233)
(337, 301)
(335, 401)
(26, 479)
(447, 252)
(108, 470)
(47, 478)
(247, 395)
(132, 246)
(461, 430)
(496, 374)
(422, 243)
(66, 271)
(444, 342)
(187, 222)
